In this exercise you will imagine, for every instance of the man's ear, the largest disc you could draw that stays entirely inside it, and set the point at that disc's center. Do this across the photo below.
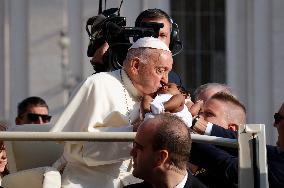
(233, 127)
(161, 157)
(134, 65)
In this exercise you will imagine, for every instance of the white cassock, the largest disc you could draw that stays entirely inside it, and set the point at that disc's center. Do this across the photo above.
(102, 104)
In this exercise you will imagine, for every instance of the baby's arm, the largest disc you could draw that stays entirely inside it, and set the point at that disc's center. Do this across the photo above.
(175, 103)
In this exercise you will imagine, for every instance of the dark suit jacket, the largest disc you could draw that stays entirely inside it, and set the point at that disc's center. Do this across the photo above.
(225, 133)
(215, 160)
(221, 167)
(191, 182)
(275, 163)
(226, 164)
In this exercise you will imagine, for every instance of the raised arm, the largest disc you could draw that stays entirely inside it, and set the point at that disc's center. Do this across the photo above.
(175, 103)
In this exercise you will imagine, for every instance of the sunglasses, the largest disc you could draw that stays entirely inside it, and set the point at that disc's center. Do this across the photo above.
(36, 117)
(278, 117)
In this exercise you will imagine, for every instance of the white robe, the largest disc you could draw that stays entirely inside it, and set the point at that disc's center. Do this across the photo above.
(100, 105)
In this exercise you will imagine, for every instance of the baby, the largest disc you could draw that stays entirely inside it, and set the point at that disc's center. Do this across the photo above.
(169, 98)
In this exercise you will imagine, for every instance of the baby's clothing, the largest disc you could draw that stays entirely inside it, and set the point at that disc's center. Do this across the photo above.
(157, 107)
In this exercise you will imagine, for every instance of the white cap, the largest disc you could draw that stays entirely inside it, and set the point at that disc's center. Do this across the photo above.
(150, 42)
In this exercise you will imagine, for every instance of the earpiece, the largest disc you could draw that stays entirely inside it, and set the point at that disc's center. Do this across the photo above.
(175, 42)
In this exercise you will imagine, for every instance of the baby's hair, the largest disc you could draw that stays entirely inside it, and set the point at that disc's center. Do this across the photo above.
(183, 91)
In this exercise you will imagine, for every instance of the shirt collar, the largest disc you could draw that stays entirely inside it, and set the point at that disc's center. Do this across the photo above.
(183, 182)
(129, 85)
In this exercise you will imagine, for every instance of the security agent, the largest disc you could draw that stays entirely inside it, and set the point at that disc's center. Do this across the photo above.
(32, 110)
(160, 152)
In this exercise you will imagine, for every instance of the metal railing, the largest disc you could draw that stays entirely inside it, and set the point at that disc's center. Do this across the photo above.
(251, 145)
(101, 137)
(252, 156)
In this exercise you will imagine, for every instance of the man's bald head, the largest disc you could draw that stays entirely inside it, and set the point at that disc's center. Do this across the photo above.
(168, 132)
(205, 91)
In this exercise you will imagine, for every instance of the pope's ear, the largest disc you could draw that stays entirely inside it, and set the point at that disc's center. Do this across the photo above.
(135, 65)
(233, 127)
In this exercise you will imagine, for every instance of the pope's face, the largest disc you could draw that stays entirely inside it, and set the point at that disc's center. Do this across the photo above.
(155, 73)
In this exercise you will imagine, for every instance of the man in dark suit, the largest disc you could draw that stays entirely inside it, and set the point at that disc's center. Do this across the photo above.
(227, 112)
(225, 163)
(160, 153)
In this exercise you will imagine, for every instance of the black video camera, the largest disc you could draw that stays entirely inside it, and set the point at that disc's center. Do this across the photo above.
(109, 27)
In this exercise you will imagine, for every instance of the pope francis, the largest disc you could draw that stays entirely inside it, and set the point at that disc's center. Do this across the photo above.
(110, 102)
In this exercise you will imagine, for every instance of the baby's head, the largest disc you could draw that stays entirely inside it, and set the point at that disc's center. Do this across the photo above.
(171, 88)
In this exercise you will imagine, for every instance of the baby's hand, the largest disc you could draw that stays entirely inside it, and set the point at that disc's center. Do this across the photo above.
(194, 108)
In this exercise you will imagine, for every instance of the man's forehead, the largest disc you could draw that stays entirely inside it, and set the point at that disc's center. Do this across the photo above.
(159, 20)
(224, 107)
(165, 54)
(161, 59)
(33, 108)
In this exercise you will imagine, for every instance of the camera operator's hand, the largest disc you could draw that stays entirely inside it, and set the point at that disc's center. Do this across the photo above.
(98, 56)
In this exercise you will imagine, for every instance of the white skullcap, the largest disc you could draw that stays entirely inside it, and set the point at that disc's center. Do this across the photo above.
(150, 42)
